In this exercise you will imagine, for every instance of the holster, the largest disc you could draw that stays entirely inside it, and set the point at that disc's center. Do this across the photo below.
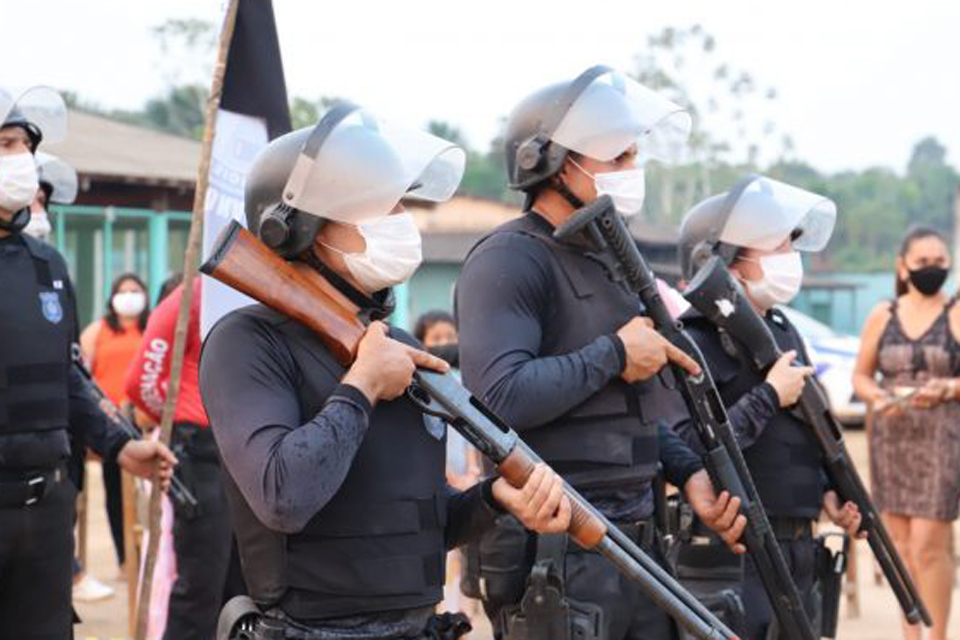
(191, 444)
(703, 564)
(831, 566)
(447, 626)
(240, 619)
(544, 612)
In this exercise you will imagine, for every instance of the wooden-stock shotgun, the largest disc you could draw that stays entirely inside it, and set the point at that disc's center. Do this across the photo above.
(296, 290)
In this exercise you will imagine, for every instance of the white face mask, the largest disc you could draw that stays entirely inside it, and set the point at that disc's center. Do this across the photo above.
(392, 254)
(129, 303)
(782, 277)
(626, 188)
(39, 225)
(18, 181)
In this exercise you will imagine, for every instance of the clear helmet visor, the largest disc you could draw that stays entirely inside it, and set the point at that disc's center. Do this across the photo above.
(767, 212)
(614, 112)
(360, 169)
(61, 177)
(40, 106)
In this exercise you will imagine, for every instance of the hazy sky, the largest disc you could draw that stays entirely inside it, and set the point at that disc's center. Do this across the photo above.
(859, 82)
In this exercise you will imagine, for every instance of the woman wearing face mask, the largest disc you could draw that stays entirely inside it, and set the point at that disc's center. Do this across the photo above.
(109, 345)
(758, 229)
(912, 343)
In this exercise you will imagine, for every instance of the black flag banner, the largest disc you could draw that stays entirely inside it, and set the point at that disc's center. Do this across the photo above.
(253, 111)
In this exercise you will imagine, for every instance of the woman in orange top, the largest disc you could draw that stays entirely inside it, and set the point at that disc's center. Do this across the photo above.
(109, 346)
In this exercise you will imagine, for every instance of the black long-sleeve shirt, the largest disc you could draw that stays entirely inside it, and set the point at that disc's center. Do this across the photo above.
(286, 469)
(504, 291)
(750, 414)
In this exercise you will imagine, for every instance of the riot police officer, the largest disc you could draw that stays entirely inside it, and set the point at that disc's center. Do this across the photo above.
(43, 401)
(336, 479)
(58, 185)
(559, 349)
(758, 228)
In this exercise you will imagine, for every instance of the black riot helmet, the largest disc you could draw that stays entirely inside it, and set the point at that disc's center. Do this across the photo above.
(351, 167)
(16, 119)
(40, 111)
(599, 114)
(57, 179)
(757, 213)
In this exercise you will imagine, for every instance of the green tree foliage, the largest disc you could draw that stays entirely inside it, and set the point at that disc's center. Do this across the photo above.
(485, 175)
(181, 111)
(876, 206)
(734, 134)
(306, 113)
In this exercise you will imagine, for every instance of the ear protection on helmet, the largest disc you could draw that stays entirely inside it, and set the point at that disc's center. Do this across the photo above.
(282, 227)
(533, 152)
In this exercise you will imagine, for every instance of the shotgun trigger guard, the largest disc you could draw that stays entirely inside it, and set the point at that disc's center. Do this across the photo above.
(427, 404)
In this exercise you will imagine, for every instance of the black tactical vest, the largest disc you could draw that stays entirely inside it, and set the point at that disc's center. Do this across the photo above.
(785, 460)
(378, 544)
(605, 440)
(37, 329)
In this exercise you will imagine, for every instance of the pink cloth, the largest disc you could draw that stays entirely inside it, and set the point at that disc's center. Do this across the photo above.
(674, 300)
(164, 573)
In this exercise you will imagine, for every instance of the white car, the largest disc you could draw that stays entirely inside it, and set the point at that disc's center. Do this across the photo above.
(834, 356)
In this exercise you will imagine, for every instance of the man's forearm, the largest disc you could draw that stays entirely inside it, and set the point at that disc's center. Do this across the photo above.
(543, 389)
(750, 414)
(86, 416)
(322, 450)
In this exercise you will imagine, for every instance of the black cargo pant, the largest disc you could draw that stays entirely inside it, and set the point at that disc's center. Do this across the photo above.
(801, 556)
(595, 585)
(628, 613)
(202, 539)
(36, 566)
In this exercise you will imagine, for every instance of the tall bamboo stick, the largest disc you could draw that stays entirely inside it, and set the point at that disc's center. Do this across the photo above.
(190, 263)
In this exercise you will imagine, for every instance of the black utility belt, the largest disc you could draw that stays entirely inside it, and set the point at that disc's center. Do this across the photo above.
(26, 488)
(792, 528)
(273, 626)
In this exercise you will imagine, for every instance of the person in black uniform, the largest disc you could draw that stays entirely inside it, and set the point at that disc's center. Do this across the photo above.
(560, 351)
(336, 479)
(44, 404)
(759, 231)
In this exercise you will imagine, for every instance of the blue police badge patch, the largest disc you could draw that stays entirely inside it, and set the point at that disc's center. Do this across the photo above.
(50, 305)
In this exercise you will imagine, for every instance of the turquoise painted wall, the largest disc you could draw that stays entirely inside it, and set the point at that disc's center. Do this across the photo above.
(431, 288)
(850, 311)
(845, 311)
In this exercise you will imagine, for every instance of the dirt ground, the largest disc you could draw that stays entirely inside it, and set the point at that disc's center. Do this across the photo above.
(107, 620)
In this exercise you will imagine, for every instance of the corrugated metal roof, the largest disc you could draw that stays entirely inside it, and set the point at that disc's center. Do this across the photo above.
(99, 146)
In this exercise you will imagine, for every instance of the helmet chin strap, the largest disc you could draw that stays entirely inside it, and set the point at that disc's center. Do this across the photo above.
(19, 221)
(561, 187)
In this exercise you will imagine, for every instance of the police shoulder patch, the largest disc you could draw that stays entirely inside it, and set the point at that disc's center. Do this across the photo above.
(50, 305)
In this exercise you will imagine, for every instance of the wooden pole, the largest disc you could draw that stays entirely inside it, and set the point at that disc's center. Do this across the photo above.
(131, 548)
(190, 263)
(83, 501)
